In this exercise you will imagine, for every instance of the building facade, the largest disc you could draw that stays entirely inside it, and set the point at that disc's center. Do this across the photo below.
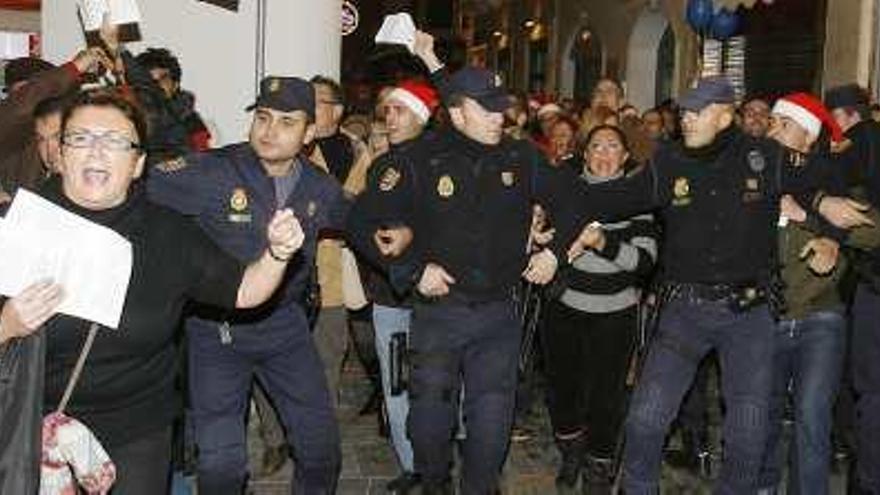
(562, 47)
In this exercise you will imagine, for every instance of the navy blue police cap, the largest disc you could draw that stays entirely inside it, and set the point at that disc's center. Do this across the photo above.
(709, 90)
(848, 95)
(480, 85)
(286, 94)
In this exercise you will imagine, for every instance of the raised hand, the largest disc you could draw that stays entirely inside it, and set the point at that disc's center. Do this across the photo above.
(285, 235)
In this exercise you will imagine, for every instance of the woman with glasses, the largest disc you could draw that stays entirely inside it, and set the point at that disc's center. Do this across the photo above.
(590, 328)
(126, 393)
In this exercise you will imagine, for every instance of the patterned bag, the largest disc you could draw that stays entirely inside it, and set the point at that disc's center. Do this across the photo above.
(70, 450)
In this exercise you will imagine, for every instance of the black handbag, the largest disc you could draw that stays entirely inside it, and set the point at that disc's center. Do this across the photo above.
(21, 413)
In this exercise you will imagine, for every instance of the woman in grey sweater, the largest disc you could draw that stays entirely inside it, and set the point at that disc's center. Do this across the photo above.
(590, 329)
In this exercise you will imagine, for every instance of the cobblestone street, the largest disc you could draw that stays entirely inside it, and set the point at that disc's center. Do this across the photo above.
(368, 461)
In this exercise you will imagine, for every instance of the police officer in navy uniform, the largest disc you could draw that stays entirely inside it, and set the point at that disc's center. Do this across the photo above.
(718, 192)
(850, 108)
(463, 193)
(233, 192)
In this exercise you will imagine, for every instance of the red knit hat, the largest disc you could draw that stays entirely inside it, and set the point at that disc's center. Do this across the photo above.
(809, 112)
(418, 96)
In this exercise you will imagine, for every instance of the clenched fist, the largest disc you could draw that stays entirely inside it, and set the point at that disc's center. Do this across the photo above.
(285, 235)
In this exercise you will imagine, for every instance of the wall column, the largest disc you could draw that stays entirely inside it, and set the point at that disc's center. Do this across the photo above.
(218, 48)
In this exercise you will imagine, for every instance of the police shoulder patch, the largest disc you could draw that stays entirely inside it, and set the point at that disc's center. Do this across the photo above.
(172, 165)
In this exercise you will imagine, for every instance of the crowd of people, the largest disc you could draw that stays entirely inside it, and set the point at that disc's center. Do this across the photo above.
(708, 233)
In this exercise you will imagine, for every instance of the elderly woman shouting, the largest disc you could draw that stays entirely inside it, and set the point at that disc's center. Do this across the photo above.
(126, 393)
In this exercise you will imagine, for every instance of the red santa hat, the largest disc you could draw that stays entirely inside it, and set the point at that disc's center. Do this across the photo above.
(809, 112)
(418, 96)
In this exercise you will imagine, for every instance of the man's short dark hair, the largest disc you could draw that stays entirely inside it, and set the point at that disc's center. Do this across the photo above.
(335, 88)
(54, 105)
(160, 58)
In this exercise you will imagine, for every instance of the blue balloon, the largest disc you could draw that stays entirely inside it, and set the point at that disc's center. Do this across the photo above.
(700, 14)
(725, 24)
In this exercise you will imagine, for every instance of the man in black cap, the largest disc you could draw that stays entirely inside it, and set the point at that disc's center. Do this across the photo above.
(719, 192)
(463, 194)
(850, 107)
(233, 192)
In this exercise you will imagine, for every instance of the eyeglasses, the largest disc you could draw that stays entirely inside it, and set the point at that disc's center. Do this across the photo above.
(109, 141)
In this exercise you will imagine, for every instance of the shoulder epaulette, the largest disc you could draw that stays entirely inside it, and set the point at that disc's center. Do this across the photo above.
(172, 165)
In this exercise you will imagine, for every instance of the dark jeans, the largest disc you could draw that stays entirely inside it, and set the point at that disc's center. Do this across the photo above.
(143, 466)
(587, 356)
(693, 417)
(689, 328)
(474, 345)
(808, 357)
(287, 365)
(866, 376)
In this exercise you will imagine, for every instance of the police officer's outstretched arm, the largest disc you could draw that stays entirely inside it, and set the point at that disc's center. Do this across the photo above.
(573, 203)
(378, 224)
(814, 187)
(182, 183)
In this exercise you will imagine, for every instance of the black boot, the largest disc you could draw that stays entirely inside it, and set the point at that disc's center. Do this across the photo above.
(695, 454)
(403, 484)
(572, 451)
(599, 478)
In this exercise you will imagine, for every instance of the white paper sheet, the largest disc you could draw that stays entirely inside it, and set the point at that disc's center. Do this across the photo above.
(397, 29)
(92, 13)
(120, 12)
(39, 240)
(124, 12)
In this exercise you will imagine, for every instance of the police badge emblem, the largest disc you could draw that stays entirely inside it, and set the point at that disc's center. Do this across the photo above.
(681, 189)
(238, 203)
(445, 186)
(389, 180)
(274, 85)
(752, 193)
(239, 200)
(757, 162)
(752, 184)
(507, 178)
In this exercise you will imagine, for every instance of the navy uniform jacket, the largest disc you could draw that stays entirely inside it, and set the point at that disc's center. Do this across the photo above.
(233, 200)
(469, 206)
(720, 204)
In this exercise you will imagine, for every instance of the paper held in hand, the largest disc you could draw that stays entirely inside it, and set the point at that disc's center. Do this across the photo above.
(40, 240)
(397, 29)
(119, 11)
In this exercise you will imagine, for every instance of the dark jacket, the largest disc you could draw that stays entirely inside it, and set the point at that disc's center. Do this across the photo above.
(20, 164)
(21, 413)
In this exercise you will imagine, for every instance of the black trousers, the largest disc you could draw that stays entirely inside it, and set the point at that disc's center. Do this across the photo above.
(587, 358)
(143, 466)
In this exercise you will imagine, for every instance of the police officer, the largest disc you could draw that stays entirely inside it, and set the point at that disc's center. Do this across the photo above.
(464, 194)
(850, 108)
(718, 192)
(232, 193)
